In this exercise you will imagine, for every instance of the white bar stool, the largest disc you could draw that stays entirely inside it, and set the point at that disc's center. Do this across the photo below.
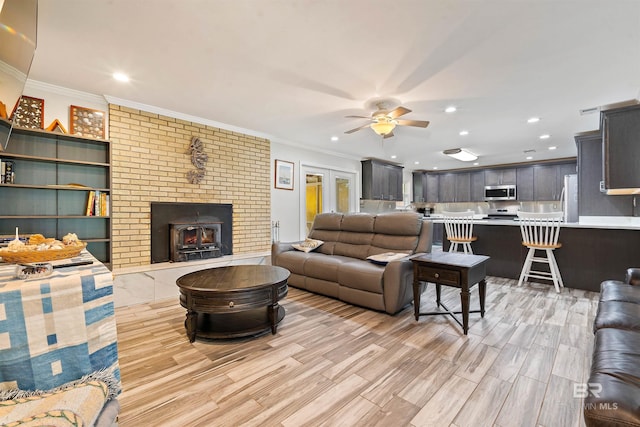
(540, 232)
(459, 228)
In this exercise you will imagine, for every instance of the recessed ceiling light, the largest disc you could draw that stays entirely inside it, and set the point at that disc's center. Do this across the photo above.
(464, 132)
(529, 157)
(533, 120)
(435, 167)
(416, 163)
(545, 136)
(553, 147)
(334, 138)
(394, 156)
(476, 164)
(121, 77)
(450, 109)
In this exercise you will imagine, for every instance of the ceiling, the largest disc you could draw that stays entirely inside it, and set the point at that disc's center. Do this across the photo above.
(292, 69)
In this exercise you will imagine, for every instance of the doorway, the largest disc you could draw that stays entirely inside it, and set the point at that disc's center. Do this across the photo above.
(326, 190)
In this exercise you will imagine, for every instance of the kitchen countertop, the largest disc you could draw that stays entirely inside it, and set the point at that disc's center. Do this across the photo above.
(611, 222)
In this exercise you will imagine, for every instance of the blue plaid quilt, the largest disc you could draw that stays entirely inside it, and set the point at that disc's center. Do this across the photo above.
(56, 329)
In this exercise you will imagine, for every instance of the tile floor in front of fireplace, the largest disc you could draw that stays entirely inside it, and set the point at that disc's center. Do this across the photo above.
(159, 281)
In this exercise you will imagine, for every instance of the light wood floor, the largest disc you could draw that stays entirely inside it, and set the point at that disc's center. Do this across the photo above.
(334, 364)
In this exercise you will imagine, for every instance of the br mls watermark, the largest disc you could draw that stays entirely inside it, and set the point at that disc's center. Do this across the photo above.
(583, 390)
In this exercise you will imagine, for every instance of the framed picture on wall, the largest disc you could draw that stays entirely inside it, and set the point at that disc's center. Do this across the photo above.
(86, 122)
(29, 113)
(284, 175)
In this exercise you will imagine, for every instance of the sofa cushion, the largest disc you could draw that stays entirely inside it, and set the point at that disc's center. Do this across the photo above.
(320, 266)
(326, 227)
(613, 290)
(617, 314)
(398, 224)
(293, 261)
(396, 232)
(613, 397)
(361, 275)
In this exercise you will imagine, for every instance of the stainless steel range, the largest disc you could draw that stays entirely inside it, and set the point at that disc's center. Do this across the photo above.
(503, 212)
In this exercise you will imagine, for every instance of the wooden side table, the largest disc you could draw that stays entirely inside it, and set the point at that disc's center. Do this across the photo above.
(450, 269)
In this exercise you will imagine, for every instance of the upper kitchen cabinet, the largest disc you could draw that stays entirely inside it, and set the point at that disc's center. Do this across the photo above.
(419, 184)
(592, 201)
(500, 176)
(524, 189)
(544, 183)
(431, 190)
(454, 187)
(425, 187)
(621, 150)
(477, 186)
(381, 180)
(548, 180)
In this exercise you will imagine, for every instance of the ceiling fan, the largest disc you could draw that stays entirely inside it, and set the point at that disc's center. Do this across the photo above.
(383, 121)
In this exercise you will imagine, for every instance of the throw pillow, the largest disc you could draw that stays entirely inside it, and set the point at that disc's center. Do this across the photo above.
(386, 257)
(308, 245)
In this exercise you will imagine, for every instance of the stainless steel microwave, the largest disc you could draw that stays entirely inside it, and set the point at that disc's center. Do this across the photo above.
(500, 192)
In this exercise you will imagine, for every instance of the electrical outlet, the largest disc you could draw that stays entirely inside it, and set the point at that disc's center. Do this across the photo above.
(602, 189)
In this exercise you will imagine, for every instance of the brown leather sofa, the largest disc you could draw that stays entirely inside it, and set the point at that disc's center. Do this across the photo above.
(613, 388)
(339, 267)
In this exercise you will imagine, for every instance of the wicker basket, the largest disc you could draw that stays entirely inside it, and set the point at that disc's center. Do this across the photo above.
(26, 257)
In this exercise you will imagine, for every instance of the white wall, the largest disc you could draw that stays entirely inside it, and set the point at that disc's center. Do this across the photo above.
(285, 204)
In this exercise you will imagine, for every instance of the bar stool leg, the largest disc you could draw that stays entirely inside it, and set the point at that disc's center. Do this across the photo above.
(555, 270)
(550, 261)
(526, 267)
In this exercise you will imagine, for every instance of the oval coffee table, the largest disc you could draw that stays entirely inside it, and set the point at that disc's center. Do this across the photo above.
(232, 302)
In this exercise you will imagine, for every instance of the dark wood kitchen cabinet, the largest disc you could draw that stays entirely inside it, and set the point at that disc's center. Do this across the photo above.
(592, 201)
(381, 180)
(477, 186)
(621, 150)
(524, 187)
(500, 176)
(454, 187)
(548, 180)
(425, 187)
(432, 182)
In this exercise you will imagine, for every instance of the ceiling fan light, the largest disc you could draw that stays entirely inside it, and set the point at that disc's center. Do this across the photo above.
(460, 154)
(383, 127)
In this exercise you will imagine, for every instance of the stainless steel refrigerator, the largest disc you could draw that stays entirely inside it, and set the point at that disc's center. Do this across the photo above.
(570, 198)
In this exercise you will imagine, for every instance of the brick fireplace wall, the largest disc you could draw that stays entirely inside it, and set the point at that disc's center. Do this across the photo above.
(150, 161)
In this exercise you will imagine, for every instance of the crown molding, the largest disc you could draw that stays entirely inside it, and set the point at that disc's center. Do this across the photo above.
(182, 116)
(59, 90)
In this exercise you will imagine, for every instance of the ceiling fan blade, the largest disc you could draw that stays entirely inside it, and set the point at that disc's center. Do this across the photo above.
(357, 117)
(387, 135)
(400, 111)
(358, 128)
(417, 123)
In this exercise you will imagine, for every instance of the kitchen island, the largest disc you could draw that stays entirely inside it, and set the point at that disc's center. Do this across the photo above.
(593, 250)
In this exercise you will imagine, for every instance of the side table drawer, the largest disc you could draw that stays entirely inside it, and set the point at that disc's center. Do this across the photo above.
(437, 275)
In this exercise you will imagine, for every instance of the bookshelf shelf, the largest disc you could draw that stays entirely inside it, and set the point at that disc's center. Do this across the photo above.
(54, 175)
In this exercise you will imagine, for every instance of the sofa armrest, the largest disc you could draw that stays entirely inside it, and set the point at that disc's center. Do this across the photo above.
(633, 276)
(398, 284)
(280, 247)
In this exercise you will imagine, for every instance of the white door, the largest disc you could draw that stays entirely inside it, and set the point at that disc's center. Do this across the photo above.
(325, 190)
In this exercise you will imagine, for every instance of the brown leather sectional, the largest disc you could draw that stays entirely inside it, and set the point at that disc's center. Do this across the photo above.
(339, 267)
(613, 389)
